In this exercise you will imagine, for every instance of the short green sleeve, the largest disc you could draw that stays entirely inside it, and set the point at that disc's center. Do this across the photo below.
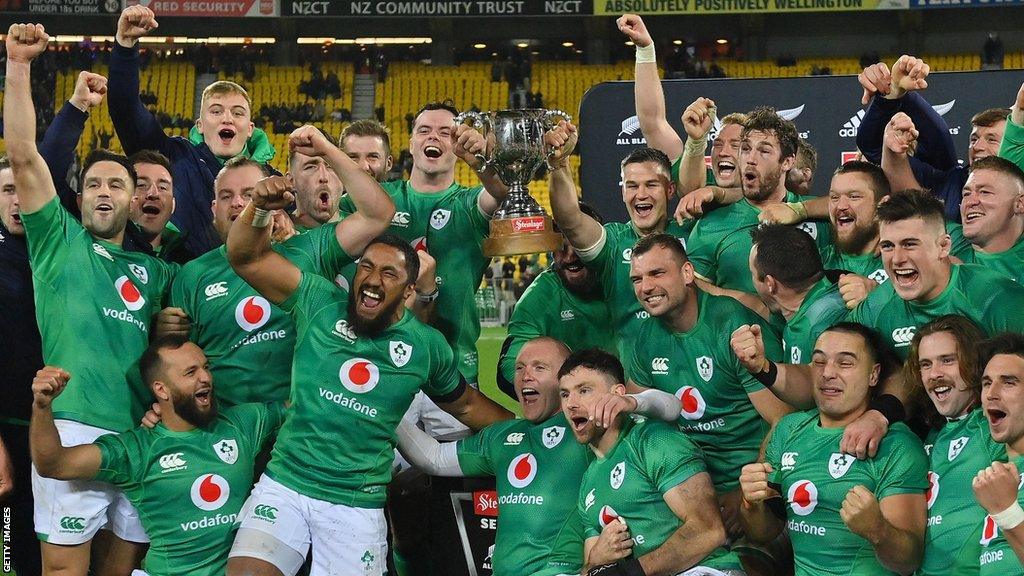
(905, 468)
(669, 456)
(121, 454)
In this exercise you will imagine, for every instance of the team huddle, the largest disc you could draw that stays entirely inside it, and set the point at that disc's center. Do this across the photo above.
(763, 382)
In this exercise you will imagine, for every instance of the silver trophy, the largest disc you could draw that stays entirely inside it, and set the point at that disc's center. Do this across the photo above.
(516, 150)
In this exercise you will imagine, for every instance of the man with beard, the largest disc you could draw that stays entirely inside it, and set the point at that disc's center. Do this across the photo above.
(223, 130)
(153, 204)
(317, 191)
(681, 350)
(997, 487)
(84, 284)
(563, 302)
(360, 357)
(992, 212)
(195, 452)
(646, 503)
(924, 284)
(846, 516)
(800, 177)
(646, 189)
(719, 245)
(943, 366)
(368, 144)
(536, 515)
(790, 280)
(236, 326)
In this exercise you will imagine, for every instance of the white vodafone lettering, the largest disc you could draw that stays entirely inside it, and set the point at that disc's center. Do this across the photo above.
(349, 402)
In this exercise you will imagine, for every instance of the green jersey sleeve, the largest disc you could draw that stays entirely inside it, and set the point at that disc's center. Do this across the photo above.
(311, 295)
(1012, 146)
(670, 457)
(604, 261)
(122, 462)
(445, 377)
(316, 251)
(905, 469)
(776, 444)
(471, 202)
(474, 452)
(259, 421)
(636, 370)
(50, 231)
(700, 250)
(183, 295)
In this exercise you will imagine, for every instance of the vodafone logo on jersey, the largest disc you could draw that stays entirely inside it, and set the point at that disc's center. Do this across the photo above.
(522, 470)
(606, 515)
(989, 531)
(210, 492)
(252, 313)
(691, 403)
(129, 294)
(933, 488)
(359, 375)
(419, 244)
(803, 497)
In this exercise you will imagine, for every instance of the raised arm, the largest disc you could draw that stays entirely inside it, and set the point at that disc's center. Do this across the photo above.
(248, 245)
(650, 98)
(374, 208)
(136, 127)
(62, 136)
(1012, 145)
(900, 136)
(31, 176)
(475, 410)
(468, 143)
(791, 383)
(50, 458)
(582, 231)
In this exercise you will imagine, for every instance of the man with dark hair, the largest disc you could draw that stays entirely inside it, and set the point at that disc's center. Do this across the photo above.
(223, 130)
(563, 302)
(943, 366)
(646, 189)
(368, 144)
(720, 243)
(924, 284)
(153, 205)
(340, 418)
(194, 452)
(646, 502)
(84, 284)
(789, 278)
(997, 487)
(992, 212)
(681, 350)
(866, 516)
(317, 191)
(236, 326)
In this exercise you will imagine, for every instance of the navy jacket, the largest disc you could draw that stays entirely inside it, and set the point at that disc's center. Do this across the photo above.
(21, 352)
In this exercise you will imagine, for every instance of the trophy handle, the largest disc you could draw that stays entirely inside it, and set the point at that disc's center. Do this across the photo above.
(480, 122)
(549, 121)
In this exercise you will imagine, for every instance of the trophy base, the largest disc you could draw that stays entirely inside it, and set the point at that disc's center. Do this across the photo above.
(523, 235)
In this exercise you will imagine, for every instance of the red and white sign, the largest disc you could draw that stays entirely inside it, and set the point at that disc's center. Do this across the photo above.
(215, 8)
(529, 224)
(485, 503)
(210, 492)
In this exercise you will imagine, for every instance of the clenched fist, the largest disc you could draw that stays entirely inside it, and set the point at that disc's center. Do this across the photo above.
(47, 385)
(995, 487)
(273, 193)
(89, 91)
(309, 141)
(861, 512)
(25, 42)
(699, 117)
(135, 22)
(469, 145)
(748, 346)
(614, 543)
(900, 134)
(634, 28)
(561, 139)
(854, 289)
(754, 482)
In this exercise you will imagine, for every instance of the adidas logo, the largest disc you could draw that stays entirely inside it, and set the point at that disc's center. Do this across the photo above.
(849, 130)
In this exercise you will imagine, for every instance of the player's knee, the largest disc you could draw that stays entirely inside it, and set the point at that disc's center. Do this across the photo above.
(65, 560)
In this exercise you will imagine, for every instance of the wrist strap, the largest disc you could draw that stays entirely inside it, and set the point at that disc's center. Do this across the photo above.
(768, 375)
(429, 297)
(645, 54)
(1010, 518)
(695, 147)
(890, 406)
(260, 217)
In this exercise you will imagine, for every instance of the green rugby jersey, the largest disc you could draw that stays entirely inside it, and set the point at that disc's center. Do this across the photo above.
(548, 308)
(719, 245)
(713, 388)
(534, 466)
(997, 557)
(956, 453)
(1009, 262)
(248, 340)
(349, 393)
(992, 300)
(94, 305)
(814, 477)
(630, 481)
(190, 486)
(821, 309)
(450, 226)
(611, 264)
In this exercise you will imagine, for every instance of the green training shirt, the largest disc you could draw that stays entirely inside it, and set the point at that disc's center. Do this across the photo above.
(719, 245)
(649, 459)
(190, 486)
(956, 453)
(534, 466)
(94, 305)
(548, 308)
(348, 394)
(821, 309)
(814, 477)
(713, 388)
(450, 226)
(992, 300)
